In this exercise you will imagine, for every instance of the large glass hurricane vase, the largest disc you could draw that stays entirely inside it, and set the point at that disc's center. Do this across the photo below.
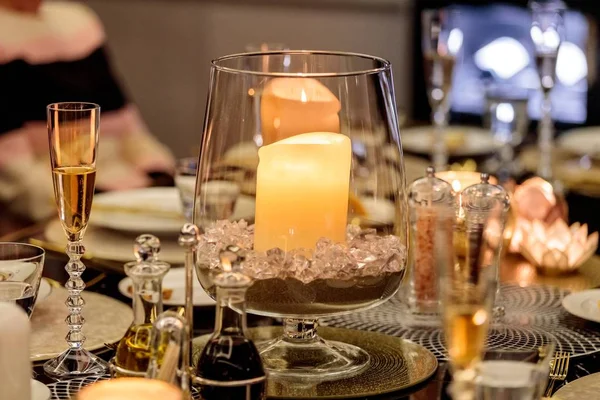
(311, 186)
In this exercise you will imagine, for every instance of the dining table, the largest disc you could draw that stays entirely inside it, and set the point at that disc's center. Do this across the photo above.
(103, 276)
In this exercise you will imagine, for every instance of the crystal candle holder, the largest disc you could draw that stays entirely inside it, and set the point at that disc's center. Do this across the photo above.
(557, 248)
(321, 215)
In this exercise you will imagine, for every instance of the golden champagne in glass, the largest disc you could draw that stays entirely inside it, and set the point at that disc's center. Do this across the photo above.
(467, 288)
(73, 137)
(74, 191)
(466, 326)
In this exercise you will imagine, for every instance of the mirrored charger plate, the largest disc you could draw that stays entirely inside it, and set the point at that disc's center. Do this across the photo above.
(396, 365)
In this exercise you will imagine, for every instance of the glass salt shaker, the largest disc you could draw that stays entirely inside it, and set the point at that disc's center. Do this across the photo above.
(146, 273)
(430, 199)
(482, 218)
(230, 367)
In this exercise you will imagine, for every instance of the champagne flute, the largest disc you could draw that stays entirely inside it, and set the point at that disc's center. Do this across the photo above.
(467, 291)
(439, 63)
(73, 135)
(547, 32)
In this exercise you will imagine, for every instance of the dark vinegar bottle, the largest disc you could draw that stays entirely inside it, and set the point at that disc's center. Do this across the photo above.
(230, 367)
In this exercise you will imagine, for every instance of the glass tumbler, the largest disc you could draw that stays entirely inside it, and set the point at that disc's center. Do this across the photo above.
(21, 267)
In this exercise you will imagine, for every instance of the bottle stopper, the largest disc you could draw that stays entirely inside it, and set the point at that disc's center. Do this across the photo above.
(146, 248)
(189, 236)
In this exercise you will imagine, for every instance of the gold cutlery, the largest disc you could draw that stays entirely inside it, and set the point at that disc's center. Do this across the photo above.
(559, 367)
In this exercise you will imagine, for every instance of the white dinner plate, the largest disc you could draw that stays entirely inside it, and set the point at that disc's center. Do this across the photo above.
(175, 280)
(584, 304)
(473, 141)
(581, 141)
(39, 391)
(105, 211)
(164, 199)
(44, 291)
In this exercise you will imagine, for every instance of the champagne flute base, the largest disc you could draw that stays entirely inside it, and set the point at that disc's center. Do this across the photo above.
(74, 363)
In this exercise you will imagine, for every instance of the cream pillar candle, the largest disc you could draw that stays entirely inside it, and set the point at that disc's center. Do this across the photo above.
(15, 367)
(302, 191)
(131, 389)
(291, 106)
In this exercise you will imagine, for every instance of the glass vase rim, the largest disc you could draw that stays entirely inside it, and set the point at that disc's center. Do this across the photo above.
(62, 106)
(385, 65)
(41, 251)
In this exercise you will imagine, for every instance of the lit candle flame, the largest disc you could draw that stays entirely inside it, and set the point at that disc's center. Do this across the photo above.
(456, 185)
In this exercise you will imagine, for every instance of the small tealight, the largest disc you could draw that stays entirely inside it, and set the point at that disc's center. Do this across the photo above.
(131, 389)
(557, 248)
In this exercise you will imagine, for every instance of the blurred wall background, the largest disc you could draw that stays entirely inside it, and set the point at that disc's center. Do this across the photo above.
(163, 48)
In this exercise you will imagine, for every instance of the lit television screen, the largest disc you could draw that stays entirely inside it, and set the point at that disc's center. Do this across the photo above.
(494, 42)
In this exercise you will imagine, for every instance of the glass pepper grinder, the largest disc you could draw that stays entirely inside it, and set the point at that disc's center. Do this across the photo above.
(230, 367)
(146, 273)
(483, 213)
(430, 199)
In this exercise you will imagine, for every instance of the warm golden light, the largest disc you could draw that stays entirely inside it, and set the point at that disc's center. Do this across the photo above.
(461, 180)
(533, 200)
(292, 106)
(302, 191)
(130, 389)
(557, 247)
(456, 186)
(480, 317)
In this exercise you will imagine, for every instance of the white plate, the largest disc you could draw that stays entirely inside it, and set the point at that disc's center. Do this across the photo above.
(175, 280)
(581, 141)
(476, 141)
(162, 198)
(584, 304)
(39, 391)
(44, 291)
(165, 199)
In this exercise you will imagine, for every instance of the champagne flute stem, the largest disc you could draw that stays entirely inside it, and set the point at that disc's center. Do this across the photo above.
(75, 285)
(546, 138)
(440, 152)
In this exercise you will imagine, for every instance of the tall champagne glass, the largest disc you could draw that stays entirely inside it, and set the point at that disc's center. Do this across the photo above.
(547, 32)
(73, 137)
(439, 63)
(467, 289)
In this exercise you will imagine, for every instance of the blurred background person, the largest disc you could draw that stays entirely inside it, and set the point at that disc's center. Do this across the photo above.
(52, 52)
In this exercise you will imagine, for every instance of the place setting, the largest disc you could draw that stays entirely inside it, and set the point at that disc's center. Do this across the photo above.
(300, 254)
